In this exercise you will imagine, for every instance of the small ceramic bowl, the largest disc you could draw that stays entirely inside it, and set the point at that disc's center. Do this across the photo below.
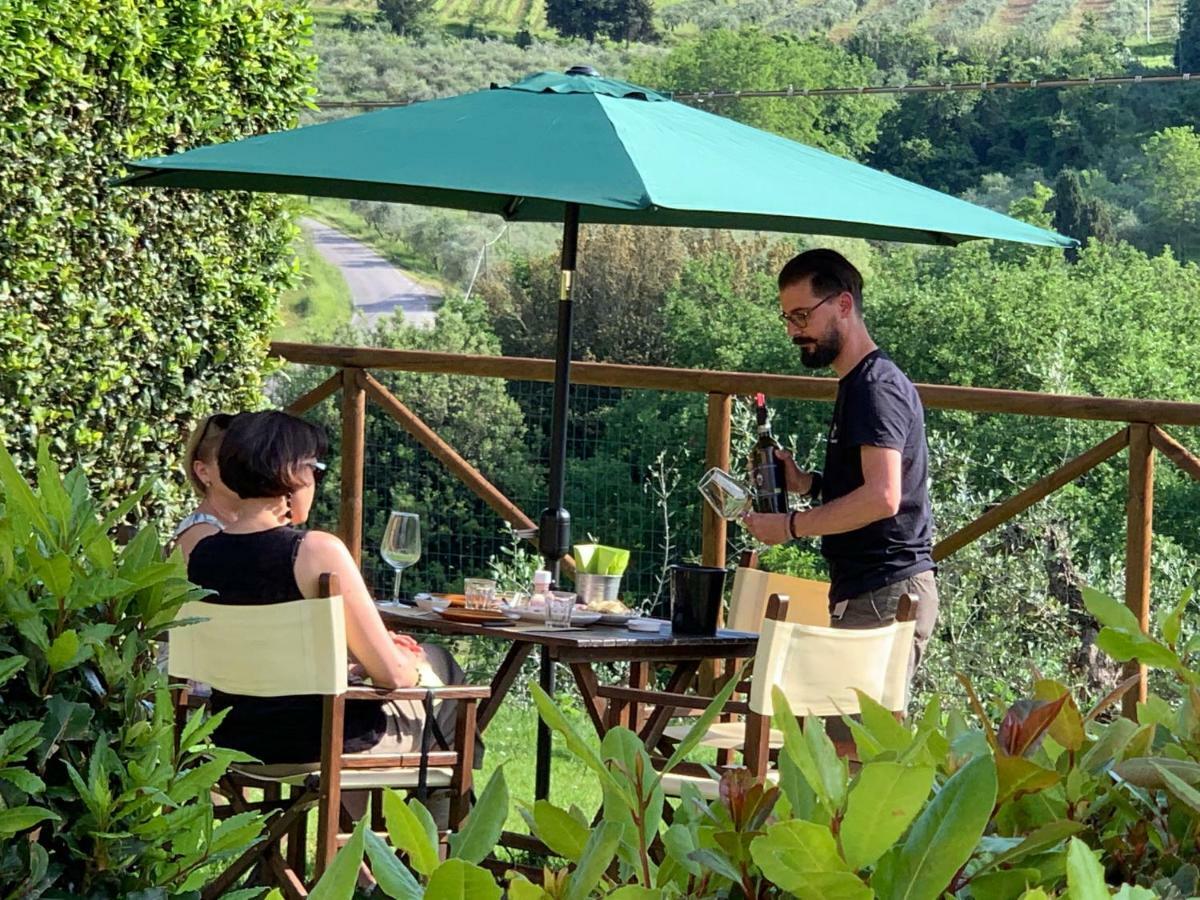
(430, 603)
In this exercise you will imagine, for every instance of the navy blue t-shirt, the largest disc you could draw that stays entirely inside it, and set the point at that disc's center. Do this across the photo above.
(877, 406)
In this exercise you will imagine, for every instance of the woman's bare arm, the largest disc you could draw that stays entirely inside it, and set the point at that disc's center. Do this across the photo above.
(369, 641)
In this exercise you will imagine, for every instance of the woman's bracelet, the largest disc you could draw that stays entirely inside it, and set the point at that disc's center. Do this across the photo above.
(792, 524)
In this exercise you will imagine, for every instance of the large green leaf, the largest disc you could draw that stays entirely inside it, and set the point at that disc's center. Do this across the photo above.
(63, 651)
(580, 748)
(1004, 884)
(457, 879)
(11, 666)
(18, 739)
(1124, 645)
(635, 892)
(1109, 612)
(831, 768)
(1109, 744)
(1017, 775)
(393, 876)
(882, 725)
(342, 875)
(19, 495)
(812, 752)
(559, 830)
(18, 818)
(1146, 771)
(594, 861)
(1180, 789)
(1173, 620)
(802, 859)
(797, 749)
(680, 843)
(55, 500)
(883, 801)
(704, 721)
(1038, 840)
(24, 779)
(1085, 875)
(521, 888)
(408, 833)
(943, 837)
(788, 850)
(476, 839)
(716, 861)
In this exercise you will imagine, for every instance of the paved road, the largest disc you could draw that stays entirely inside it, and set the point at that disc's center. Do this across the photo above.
(377, 288)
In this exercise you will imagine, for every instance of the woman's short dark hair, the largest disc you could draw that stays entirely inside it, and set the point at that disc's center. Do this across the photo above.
(261, 453)
(830, 273)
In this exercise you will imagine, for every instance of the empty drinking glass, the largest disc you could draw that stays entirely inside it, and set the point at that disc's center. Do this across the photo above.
(559, 607)
(480, 593)
(727, 495)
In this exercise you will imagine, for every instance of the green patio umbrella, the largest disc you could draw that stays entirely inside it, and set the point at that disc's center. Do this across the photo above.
(575, 148)
(578, 148)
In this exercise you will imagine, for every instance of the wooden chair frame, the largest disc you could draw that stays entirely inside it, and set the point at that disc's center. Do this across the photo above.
(323, 789)
(756, 751)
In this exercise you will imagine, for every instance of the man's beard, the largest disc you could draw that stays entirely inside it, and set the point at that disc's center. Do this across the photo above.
(821, 352)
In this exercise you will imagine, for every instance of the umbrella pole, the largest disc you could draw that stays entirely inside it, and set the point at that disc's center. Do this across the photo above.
(554, 528)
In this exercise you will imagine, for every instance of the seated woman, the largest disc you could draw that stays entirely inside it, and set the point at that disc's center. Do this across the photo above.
(271, 461)
(217, 502)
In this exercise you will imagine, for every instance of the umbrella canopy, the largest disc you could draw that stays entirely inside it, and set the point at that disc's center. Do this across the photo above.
(580, 148)
(623, 153)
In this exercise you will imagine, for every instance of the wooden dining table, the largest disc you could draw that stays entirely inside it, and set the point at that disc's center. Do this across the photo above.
(580, 649)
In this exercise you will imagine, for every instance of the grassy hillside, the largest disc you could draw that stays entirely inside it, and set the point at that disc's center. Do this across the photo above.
(837, 18)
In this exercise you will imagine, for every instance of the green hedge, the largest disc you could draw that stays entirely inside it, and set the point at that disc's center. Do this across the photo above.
(125, 314)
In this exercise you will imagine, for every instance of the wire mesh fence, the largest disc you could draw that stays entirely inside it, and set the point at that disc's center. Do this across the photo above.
(634, 458)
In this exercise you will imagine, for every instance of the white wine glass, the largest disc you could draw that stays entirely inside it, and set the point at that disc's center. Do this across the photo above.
(401, 544)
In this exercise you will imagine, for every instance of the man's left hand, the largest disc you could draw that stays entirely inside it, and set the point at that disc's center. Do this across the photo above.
(770, 528)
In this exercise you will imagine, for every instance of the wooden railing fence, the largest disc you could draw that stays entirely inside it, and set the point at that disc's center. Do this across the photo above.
(1140, 432)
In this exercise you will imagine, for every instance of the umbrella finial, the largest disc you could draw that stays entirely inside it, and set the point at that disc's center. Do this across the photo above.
(583, 70)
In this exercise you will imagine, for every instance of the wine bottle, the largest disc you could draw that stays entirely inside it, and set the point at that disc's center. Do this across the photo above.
(770, 479)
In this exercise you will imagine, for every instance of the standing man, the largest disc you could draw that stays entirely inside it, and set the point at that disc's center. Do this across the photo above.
(874, 516)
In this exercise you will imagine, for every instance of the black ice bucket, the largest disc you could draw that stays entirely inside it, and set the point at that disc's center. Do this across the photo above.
(696, 593)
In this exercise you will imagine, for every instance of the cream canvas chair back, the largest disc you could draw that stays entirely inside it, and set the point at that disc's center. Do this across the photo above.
(268, 650)
(808, 599)
(819, 668)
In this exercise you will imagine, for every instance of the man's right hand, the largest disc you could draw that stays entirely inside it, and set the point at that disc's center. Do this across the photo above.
(798, 482)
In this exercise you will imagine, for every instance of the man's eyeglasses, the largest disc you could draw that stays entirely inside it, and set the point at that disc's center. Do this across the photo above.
(318, 470)
(799, 317)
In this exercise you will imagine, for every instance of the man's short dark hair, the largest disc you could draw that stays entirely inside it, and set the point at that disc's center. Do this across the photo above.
(261, 453)
(830, 272)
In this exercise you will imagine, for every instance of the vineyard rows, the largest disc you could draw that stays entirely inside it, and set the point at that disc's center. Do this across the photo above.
(949, 19)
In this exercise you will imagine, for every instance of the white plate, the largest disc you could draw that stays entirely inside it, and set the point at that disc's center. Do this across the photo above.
(649, 625)
(526, 614)
(616, 618)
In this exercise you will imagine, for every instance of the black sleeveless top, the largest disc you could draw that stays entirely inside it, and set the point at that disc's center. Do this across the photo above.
(258, 568)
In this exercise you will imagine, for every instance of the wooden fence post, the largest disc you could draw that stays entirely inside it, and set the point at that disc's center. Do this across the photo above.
(1139, 529)
(716, 454)
(354, 440)
(712, 548)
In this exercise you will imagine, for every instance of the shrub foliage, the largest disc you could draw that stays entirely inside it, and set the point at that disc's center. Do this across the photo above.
(182, 285)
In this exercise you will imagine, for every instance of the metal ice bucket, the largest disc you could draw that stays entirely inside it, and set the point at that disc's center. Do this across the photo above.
(593, 588)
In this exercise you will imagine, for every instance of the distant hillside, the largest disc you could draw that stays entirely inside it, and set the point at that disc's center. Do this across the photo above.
(837, 18)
